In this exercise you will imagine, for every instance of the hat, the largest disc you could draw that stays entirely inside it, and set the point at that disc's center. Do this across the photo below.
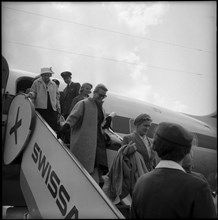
(66, 74)
(141, 118)
(46, 70)
(174, 133)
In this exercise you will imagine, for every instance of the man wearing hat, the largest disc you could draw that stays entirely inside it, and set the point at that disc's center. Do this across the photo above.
(69, 93)
(45, 96)
(168, 191)
(142, 142)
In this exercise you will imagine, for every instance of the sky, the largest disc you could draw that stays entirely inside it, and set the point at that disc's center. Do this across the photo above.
(161, 52)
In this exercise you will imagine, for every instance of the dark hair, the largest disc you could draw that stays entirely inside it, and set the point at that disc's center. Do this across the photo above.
(169, 151)
(56, 81)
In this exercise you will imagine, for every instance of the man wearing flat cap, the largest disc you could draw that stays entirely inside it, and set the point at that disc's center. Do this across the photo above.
(142, 142)
(168, 191)
(69, 93)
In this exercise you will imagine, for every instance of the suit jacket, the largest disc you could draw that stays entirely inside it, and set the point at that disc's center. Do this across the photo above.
(67, 97)
(150, 162)
(171, 193)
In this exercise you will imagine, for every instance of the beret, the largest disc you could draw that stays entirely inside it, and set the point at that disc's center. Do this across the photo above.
(66, 73)
(142, 117)
(174, 133)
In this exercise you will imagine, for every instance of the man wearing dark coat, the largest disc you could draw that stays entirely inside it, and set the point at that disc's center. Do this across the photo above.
(69, 93)
(168, 191)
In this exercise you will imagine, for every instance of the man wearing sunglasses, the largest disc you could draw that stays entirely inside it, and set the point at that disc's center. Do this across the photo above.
(87, 141)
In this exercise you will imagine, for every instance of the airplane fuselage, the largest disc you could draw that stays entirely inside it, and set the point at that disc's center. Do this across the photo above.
(126, 109)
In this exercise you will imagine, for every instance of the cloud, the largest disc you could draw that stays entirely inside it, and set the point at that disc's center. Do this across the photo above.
(128, 56)
(141, 15)
(139, 75)
(178, 106)
(159, 100)
(141, 92)
(136, 76)
(137, 72)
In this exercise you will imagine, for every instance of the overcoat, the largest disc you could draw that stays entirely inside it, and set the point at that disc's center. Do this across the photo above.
(171, 194)
(67, 96)
(83, 140)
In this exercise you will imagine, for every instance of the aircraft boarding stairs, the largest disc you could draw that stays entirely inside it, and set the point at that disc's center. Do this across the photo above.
(53, 182)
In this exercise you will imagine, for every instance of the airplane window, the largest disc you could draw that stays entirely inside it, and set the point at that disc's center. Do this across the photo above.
(121, 124)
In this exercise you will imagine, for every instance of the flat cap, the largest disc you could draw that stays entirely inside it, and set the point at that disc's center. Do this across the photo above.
(141, 118)
(66, 74)
(174, 133)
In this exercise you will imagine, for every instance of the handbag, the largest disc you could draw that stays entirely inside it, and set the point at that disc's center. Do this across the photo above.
(111, 137)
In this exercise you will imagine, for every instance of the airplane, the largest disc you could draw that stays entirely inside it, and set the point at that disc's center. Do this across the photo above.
(210, 119)
(35, 185)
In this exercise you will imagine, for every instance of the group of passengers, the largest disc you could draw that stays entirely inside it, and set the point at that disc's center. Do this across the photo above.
(152, 172)
(49, 101)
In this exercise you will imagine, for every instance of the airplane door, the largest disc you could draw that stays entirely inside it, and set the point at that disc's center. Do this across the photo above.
(12, 194)
(5, 74)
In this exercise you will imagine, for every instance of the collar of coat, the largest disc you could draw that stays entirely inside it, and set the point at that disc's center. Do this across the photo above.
(42, 81)
(169, 164)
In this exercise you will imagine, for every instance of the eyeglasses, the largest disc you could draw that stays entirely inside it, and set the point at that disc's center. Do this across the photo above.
(101, 96)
